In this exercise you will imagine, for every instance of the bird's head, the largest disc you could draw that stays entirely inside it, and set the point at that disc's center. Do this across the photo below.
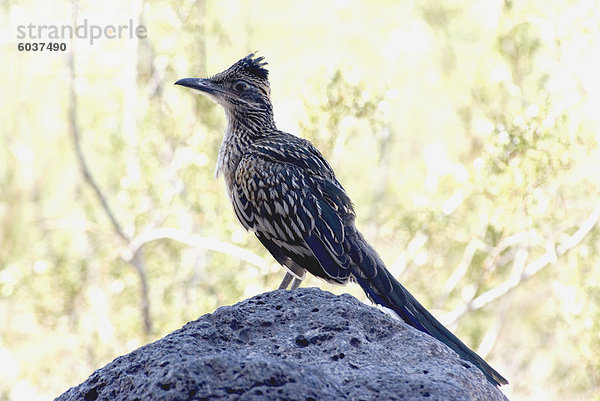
(243, 87)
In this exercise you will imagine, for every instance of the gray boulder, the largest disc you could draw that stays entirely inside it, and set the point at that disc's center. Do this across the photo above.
(302, 345)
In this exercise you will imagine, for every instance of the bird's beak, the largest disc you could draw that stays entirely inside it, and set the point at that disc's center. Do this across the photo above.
(201, 84)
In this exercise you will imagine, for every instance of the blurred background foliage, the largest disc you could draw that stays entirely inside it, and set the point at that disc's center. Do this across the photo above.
(466, 133)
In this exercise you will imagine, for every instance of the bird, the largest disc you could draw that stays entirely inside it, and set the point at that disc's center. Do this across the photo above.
(286, 193)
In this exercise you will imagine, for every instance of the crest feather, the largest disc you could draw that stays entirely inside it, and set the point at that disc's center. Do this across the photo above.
(254, 66)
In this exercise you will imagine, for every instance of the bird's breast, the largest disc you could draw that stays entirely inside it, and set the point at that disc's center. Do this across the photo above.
(230, 155)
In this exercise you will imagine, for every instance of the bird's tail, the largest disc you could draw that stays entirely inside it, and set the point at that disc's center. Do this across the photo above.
(383, 289)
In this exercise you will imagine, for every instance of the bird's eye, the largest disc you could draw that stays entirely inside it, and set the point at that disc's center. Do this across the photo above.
(240, 86)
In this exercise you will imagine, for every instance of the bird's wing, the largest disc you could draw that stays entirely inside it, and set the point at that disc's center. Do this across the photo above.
(291, 200)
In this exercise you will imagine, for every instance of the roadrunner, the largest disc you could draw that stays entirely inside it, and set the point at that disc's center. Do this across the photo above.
(285, 192)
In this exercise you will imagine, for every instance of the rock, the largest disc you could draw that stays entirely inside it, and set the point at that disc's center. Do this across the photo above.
(305, 345)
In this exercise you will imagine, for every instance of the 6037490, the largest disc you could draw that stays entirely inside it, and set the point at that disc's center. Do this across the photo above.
(42, 46)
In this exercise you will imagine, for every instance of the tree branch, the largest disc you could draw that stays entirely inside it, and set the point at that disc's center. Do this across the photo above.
(136, 260)
(83, 166)
(522, 272)
(463, 266)
(491, 260)
(491, 335)
(196, 241)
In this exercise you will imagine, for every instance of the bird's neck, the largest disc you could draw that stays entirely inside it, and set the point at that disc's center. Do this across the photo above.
(242, 130)
(251, 121)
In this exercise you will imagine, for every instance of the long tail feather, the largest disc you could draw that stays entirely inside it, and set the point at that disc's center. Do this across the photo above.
(383, 289)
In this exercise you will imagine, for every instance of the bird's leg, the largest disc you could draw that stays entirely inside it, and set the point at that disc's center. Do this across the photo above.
(286, 281)
(290, 278)
(296, 283)
(295, 273)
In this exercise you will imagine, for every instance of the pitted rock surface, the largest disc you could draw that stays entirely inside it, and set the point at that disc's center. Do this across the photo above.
(303, 345)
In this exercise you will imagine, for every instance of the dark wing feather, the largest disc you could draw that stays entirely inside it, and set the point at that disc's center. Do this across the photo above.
(297, 214)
